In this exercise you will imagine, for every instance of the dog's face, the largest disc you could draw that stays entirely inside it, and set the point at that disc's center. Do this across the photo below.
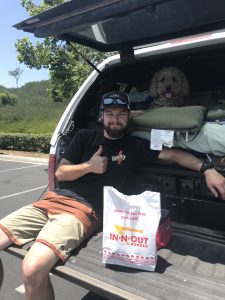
(169, 87)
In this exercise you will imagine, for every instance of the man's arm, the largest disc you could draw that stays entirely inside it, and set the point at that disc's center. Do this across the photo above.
(68, 171)
(214, 180)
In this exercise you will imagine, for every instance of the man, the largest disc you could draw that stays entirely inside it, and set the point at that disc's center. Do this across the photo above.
(68, 215)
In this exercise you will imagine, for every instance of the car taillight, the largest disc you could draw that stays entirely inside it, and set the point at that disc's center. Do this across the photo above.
(51, 171)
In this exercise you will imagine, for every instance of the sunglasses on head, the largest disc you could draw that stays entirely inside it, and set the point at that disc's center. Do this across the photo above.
(119, 101)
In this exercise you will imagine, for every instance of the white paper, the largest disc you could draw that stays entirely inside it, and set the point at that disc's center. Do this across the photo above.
(160, 138)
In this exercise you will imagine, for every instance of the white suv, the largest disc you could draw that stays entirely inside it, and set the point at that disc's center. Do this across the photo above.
(149, 35)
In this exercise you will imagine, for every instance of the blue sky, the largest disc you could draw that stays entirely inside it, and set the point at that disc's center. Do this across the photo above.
(12, 12)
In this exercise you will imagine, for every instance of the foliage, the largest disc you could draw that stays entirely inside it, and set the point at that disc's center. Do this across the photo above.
(34, 111)
(7, 98)
(66, 67)
(25, 142)
(16, 74)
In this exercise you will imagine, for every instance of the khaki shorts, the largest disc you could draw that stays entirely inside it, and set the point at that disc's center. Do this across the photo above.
(60, 232)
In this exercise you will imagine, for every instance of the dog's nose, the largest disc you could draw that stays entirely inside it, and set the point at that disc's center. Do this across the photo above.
(168, 88)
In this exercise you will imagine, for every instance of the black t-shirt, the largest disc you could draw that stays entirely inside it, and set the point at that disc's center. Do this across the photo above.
(124, 154)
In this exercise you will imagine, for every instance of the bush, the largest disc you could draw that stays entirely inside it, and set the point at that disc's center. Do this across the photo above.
(7, 98)
(25, 142)
(34, 111)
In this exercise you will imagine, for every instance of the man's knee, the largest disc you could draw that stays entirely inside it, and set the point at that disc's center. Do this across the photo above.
(38, 262)
(33, 271)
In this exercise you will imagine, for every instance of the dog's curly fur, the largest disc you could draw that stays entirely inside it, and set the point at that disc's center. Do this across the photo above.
(169, 87)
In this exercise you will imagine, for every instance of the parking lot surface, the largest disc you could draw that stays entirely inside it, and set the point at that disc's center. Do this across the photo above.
(23, 181)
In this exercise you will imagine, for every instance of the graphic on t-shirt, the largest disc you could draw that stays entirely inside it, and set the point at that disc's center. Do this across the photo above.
(119, 158)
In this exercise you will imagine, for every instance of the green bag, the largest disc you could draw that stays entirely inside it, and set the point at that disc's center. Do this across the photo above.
(175, 118)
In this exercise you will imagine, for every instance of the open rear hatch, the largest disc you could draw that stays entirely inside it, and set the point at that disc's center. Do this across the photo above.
(109, 25)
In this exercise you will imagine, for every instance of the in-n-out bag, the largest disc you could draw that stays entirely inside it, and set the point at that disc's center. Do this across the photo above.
(130, 225)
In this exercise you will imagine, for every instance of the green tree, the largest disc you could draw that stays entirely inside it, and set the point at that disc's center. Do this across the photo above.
(16, 74)
(67, 69)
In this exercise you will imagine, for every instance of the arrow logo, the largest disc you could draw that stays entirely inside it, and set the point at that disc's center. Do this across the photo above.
(121, 228)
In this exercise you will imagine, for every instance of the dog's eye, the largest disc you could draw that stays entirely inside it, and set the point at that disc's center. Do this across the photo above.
(162, 79)
(174, 79)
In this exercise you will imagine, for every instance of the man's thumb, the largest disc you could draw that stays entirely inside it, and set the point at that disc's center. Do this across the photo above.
(99, 151)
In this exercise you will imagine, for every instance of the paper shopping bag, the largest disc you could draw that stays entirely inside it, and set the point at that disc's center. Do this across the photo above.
(129, 228)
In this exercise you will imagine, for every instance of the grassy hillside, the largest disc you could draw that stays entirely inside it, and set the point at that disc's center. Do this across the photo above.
(34, 111)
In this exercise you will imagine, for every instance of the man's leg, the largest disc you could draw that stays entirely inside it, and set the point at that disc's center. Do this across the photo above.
(62, 233)
(4, 242)
(37, 264)
(21, 226)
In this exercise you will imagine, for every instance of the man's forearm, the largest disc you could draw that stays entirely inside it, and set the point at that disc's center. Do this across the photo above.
(70, 172)
(182, 158)
(188, 161)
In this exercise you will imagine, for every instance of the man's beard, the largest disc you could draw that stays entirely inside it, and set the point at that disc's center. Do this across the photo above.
(114, 133)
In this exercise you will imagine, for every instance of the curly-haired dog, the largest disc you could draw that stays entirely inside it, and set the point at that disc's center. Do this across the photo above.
(169, 87)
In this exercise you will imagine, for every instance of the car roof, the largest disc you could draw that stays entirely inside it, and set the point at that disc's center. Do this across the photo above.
(109, 25)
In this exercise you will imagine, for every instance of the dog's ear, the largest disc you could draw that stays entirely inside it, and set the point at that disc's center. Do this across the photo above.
(153, 87)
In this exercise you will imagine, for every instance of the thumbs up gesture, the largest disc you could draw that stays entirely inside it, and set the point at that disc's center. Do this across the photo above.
(98, 162)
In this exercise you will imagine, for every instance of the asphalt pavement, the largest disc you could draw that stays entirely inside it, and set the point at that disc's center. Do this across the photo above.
(22, 181)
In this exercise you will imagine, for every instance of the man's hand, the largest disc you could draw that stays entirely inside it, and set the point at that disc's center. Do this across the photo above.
(98, 163)
(215, 182)
(67, 171)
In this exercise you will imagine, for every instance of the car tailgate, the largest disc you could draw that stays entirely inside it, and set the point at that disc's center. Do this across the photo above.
(192, 267)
